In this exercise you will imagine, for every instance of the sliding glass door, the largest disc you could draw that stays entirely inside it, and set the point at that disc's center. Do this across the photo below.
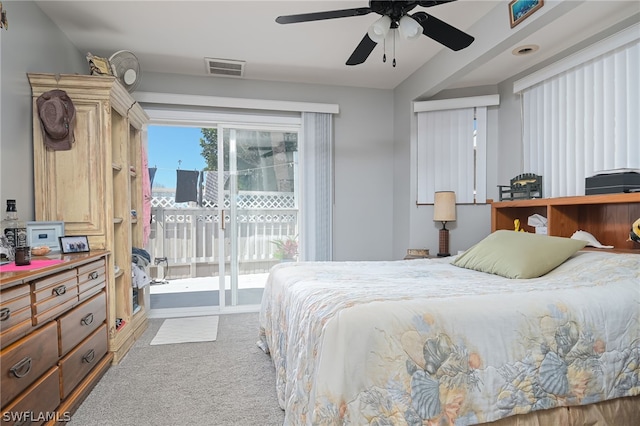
(257, 207)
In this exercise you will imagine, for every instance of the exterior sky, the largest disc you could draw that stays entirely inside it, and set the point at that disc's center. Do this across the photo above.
(173, 148)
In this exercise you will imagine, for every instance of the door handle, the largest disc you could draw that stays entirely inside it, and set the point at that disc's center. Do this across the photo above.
(222, 221)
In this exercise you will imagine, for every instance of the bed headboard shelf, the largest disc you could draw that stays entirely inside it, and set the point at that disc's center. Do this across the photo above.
(608, 217)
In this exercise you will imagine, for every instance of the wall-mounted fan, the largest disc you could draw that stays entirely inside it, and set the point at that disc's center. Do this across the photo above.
(126, 67)
(395, 14)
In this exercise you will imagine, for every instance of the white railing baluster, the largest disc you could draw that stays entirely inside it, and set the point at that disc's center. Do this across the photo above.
(178, 235)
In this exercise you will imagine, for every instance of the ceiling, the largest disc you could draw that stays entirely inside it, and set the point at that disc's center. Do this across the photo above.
(175, 37)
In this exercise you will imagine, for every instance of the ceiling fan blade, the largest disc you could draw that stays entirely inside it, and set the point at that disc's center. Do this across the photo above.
(318, 16)
(442, 32)
(430, 3)
(362, 51)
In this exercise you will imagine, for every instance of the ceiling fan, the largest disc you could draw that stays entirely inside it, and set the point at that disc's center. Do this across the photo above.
(395, 14)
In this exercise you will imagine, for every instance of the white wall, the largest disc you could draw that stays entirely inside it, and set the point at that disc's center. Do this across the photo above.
(31, 44)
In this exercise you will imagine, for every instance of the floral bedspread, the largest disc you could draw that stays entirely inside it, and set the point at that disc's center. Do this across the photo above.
(423, 342)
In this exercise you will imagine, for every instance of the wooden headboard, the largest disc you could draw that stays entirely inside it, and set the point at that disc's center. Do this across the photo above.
(607, 217)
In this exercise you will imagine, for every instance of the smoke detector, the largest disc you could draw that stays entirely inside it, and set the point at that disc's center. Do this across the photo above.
(525, 50)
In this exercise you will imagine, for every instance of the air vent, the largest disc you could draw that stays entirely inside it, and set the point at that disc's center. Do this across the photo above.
(224, 67)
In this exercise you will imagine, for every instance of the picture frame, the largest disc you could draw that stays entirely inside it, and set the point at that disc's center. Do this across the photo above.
(519, 10)
(99, 65)
(45, 234)
(74, 244)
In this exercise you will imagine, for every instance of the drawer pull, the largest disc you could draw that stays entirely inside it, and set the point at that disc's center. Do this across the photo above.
(88, 358)
(87, 320)
(60, 290)
(5, 313)
(21, 368)
(94, 275)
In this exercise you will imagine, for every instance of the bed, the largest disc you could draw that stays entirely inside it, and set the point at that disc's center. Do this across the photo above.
(428, 342)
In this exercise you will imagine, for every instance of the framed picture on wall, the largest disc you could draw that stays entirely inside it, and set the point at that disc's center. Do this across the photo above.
(519, 10)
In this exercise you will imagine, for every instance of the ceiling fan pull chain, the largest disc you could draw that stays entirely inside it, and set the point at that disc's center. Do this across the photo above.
(394, 49)
(384, 53)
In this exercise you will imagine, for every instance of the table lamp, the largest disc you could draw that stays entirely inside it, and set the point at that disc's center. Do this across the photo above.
(444, 210)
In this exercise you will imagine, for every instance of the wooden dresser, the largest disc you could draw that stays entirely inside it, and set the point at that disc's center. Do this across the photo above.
(53, 337)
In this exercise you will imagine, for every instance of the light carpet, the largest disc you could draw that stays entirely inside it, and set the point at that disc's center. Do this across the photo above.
(186, 330)
(229, 382)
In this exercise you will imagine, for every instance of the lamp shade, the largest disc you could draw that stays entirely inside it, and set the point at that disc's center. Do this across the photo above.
(409, 28)
(444, 206)
(378, 31)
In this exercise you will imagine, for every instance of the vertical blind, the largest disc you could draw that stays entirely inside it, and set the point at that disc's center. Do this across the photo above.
(316, 194)
(448, 159)
(583, 120)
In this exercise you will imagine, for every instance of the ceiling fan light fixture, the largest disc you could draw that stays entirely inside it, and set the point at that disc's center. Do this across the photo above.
(409, 28)
(379, 30)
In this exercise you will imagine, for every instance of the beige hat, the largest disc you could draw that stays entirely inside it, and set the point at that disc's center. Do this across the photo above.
(57, 116)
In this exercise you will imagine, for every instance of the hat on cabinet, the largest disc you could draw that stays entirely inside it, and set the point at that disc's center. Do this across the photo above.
(57, 117)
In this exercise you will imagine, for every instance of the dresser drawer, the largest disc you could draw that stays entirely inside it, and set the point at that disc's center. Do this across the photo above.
(37, 404)
(54, 298)
(91, 279)
(75, 366)
(77, 324)
(54, 279)
(19, 330)
(93, 271)
(15, 313)
(13, 301)
(23, 362)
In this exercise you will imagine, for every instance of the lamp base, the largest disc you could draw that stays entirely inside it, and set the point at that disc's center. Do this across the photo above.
(444, 243)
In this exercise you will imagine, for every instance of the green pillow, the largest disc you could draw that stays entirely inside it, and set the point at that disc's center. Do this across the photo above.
(518, 254)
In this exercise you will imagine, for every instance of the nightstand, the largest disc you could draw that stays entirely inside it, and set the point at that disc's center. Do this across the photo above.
(417, 254)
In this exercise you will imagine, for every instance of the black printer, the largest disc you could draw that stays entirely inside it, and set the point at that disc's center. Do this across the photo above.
(614, 182)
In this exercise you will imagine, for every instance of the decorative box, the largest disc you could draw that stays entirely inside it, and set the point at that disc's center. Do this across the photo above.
(612, 183)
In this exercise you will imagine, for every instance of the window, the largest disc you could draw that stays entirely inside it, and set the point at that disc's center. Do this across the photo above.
(451, 148)
(580, 115)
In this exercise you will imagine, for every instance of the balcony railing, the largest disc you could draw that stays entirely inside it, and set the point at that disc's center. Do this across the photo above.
(189, 237)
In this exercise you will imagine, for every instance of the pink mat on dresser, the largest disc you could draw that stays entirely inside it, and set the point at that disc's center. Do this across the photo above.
(35, 264)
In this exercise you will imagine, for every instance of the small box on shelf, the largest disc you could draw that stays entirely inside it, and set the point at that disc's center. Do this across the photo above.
(417, 254)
